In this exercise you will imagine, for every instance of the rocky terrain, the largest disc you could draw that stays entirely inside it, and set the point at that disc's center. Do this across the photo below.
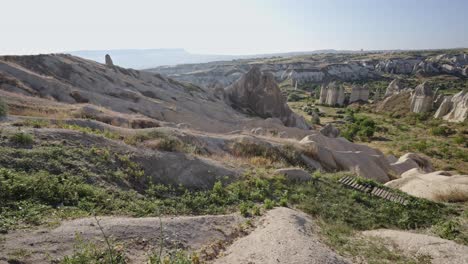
(325, 68)
(91, 155)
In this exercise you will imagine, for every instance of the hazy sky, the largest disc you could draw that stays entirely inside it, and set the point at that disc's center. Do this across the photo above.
(231, 27)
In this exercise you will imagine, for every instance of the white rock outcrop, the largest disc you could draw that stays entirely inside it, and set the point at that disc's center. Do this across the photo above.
(422, 99)
(438, 186)
(454, 108)
(332, 94)
(444, 107)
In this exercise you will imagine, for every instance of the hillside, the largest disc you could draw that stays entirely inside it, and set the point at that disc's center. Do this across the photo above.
(103, 164)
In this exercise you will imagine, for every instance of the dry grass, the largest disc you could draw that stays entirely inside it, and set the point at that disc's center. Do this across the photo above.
(455, 195)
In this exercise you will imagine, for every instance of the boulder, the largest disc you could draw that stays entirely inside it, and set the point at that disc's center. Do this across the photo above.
(336, 154)
(437, 186)
(257, 93)
(359, 93)
(109, 61)
(410, 161)
(422, 99)
(330, 131)
(294, 174)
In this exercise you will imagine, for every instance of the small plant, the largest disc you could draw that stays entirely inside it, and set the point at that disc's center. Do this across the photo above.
(22, 139)
(268, 204)
(244, 209)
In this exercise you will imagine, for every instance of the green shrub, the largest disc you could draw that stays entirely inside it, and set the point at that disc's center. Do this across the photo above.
(244, 209)
(361, 127)
(92, 253)
(268, 204)
(3, 108)
(22, 138)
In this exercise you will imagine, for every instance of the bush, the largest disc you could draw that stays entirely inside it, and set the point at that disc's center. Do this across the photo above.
(3, 108)
(361, 127)
(268, 204)
(22, 138)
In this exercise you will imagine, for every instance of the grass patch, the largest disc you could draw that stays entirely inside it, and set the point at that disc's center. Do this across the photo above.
(3, 108)
(22, 139)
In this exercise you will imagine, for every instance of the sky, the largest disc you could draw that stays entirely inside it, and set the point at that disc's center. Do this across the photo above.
(231, 27)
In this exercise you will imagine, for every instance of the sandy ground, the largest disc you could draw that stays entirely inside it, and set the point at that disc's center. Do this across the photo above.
(283, 236)
(441, 251)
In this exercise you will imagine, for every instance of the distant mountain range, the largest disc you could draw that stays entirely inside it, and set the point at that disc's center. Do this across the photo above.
(150, 58)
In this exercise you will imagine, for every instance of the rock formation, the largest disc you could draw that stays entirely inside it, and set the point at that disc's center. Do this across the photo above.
(396, 104)
(422, 99)
(332, 95)
(359, 93)
(444, 107)
(323, 94)
(394, 87)
(257, 93)
(397, 65)
(330, 131)
(435, 249)
(454, 108)
(109, 61)
(439, 98)
(437, 186)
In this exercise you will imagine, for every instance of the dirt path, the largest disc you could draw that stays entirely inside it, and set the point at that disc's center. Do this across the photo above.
(282, 236)
(440, 251)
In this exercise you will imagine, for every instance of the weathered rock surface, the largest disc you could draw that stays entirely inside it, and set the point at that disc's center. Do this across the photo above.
(258, 93)
(72, 80)
(340, 154)
(294, 174)
(140, 235)
(422, 99)
(359, 93)
(398, 66)
(437, 186)
(320, 69)
(440, 251)
(410, 161)
(396, 104)
(284, 236)
(454, 108)
(394, 87)
(444, 107)
(332, 94)
(330, 131)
